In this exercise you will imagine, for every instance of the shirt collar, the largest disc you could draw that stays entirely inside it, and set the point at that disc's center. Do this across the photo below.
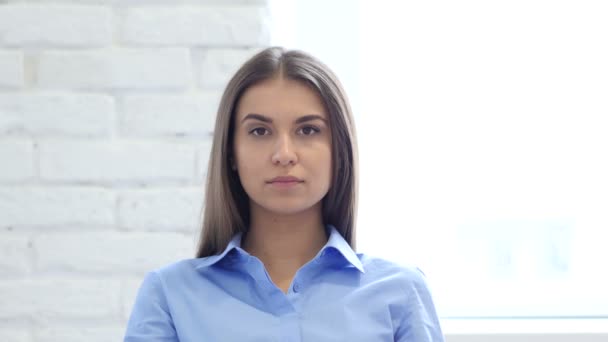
(335, 243)
(234, 244)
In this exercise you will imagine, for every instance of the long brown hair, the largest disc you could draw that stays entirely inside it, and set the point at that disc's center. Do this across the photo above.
(226, 209)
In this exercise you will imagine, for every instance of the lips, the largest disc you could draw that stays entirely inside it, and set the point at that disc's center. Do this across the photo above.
(285, 179)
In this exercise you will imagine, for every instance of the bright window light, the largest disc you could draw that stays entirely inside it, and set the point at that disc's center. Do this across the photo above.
(483, 137)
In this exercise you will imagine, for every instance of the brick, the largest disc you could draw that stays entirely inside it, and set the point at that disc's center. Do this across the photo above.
(168, 68)
(13, 334)
(203, 154)
(217, 66)
(130, 287)
(14, 255)
(55, 25)
(158, 2)
(52, 206)
(116, 161)
(111, 253)
(18, 160)
(188, 25)
(11, 68)
(170, 115)
(100, 332)
(56, 114)
(161, 209)
(59, 298)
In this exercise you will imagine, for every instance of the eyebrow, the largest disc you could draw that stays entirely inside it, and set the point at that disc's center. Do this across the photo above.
(305, 118)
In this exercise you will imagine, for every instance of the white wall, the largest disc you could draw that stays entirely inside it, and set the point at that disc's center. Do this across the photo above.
(106, 113)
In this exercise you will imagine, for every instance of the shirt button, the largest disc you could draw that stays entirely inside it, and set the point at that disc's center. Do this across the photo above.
(296, 287)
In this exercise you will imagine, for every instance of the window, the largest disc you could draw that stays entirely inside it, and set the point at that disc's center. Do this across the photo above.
(483, 144)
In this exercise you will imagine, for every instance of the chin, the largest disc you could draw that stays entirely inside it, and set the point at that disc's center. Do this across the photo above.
(287, 207)
(287, 210)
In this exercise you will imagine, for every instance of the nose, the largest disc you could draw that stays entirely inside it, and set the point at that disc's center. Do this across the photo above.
(284, 153)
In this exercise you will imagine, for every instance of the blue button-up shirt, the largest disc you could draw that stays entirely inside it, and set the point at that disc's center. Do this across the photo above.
(337, 296)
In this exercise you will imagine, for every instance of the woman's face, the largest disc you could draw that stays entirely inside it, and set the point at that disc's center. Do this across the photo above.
(282, 130)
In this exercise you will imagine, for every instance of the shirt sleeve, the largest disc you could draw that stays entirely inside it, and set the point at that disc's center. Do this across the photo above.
(150, 319)
(419, 322)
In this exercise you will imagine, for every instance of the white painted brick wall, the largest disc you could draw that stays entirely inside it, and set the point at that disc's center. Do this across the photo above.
(55, 207)
(111, 253)
(129, 293)
(15, 256)
(171, 25)
(69, 333)
(170, 209)
(170, 115)
(14, 334)
(56, 114)
(107, 109)
(59, 297)
(20, 153)
(55, 25)
(108, 161)
(167, 68)
(217, 65)
(202, 159)
(11, 68)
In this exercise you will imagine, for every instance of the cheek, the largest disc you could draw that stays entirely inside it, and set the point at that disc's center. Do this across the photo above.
(324, 161)
(242, 153)
(249, 161)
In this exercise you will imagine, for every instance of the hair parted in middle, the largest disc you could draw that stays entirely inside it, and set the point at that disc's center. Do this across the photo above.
(226, 205)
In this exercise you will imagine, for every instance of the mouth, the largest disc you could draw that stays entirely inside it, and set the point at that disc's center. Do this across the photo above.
(285, 179)
(285, 182)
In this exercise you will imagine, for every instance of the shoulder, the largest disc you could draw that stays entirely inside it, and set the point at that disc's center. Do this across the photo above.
(177, 270)
(406, 279)
(405, 273)
(412, 302)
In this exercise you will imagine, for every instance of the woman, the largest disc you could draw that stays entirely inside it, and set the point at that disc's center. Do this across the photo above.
(276, 259)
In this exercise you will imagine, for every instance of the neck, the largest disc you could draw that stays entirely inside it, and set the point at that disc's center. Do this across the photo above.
(285, 242)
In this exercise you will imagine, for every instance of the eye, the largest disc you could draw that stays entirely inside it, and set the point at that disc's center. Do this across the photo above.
(309, 130)
(259, 131)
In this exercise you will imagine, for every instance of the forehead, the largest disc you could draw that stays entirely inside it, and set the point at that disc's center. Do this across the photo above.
(280, 98)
